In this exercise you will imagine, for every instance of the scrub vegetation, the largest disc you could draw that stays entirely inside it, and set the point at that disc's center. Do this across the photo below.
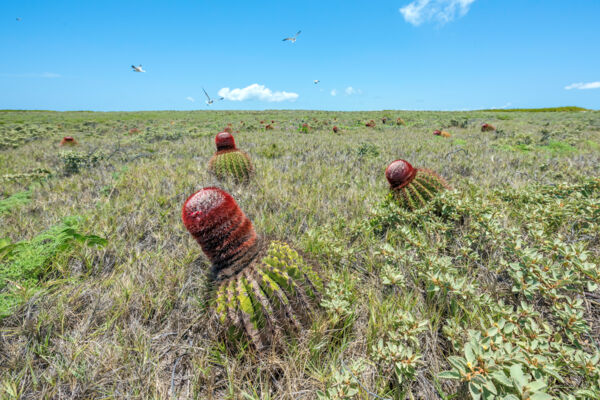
(489, 290)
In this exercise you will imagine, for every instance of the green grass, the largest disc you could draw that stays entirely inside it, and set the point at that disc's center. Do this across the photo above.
(501, 274)
(550, 109)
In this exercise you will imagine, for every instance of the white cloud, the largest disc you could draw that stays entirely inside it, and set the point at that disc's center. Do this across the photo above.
(442, 11)
(333, 92)
(190, 98)
(504, 107)
(48, 75)
(256, 92)
(583, 86)
(350, 91)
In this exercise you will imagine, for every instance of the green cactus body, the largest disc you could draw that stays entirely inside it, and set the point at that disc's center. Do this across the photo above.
(270, 297)
(412, 187)
(232, 163)
(260, 291)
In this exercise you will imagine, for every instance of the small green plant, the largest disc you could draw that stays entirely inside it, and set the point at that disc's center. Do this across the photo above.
(304, 128)
(35, 174)
(73, 162)
(24, 264)
(272, 151)
(17, 199)
(344, 384)
(338, 299)
(367, 150)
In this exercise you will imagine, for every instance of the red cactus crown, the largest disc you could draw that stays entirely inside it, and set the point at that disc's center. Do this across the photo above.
(224, 141)
(400, 173)
(223, 231)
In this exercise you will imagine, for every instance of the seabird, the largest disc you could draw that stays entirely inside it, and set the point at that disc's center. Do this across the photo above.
(293, 38)
(138, 68)
(209, 101)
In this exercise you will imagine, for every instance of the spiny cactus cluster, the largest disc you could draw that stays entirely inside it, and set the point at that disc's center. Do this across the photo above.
(259, 290)
(413, 187)
(229, 161)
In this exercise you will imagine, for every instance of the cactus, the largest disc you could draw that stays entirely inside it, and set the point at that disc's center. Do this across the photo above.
(445, 134)
(259, 290)
(413, 187)
(304, 128)
(487, 128)
(229, 161)
(68, 141)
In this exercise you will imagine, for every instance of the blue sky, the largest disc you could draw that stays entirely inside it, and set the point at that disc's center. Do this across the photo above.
(402, 54)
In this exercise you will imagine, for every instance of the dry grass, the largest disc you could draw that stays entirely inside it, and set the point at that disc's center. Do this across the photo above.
(128, 320)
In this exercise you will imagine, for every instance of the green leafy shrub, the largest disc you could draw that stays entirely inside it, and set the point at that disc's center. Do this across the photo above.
(73, 162)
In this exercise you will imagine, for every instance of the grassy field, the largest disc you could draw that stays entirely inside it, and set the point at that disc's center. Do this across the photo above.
(489, 292)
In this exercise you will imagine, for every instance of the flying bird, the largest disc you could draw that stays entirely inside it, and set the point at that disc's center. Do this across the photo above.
(19, 19)
(316, 81)
(293, 38)
(209, 101)
(138, 68)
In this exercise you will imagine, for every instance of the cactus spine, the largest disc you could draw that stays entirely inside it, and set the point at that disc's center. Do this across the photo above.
(259, 290)
(413, 187)
(229, 161)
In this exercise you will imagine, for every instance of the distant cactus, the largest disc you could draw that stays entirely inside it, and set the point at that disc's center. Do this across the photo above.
(228, 161)
(445, 134)
(259, 290)
(304, 128)
(413, 187)
(68, 141)
(487, 128)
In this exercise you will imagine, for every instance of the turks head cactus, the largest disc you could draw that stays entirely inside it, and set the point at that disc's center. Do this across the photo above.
(413, 187)
(68, 141)
(229, 161)
(259, 290)
(487, 128)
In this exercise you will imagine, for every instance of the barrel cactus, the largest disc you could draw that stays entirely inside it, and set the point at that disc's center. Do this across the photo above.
(413, 187)
(487, 128)
(259, 290)
(229, 161)
(68, 141)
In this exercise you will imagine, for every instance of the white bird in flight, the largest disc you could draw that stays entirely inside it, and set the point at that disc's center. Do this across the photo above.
(209, 101)
(138, 68)
(316, 81)
(293, 38)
